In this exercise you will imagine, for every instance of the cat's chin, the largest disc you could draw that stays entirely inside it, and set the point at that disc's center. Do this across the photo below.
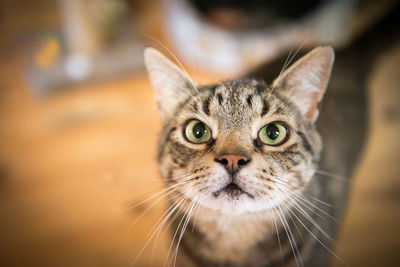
(232, 191)
(237, 203)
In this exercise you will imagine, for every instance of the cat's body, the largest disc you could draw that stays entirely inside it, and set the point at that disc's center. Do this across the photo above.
(243, 199)
(236, 224)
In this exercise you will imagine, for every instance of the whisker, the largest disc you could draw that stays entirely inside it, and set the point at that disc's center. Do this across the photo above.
(308, 217)
(174, 236)
(283, 182)
(306, 202)
(290, 236)
(183, 230)
(155, 228)
(149, 208)
(320, 201)
(294, 55)
(168, 226)
(195, 216)
(290, 217)
(274, 211)
(320, 242)
(285, 65)
(333, 175)
(181, 87)
(161, 193)
(186, 178)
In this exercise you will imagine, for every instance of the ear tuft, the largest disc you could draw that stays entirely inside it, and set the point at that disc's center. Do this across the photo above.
(171, 85)
(305, 82)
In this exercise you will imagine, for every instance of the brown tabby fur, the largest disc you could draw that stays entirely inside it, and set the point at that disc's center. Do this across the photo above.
(294, 191)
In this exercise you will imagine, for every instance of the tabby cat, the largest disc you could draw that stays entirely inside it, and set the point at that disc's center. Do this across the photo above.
(257, 171)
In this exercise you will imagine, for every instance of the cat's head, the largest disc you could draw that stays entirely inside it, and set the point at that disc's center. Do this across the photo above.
(241, 145)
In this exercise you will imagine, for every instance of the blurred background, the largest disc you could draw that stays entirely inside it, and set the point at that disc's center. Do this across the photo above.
(78, 120)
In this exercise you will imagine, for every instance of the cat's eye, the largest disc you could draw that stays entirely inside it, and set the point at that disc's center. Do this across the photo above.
(273, 134)
(197, 132)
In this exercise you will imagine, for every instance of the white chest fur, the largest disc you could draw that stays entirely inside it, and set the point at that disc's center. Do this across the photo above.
(231, 237)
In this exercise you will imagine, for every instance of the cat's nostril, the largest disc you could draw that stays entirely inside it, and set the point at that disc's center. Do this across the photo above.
(233, 162)
(223, 161)
(242, 162)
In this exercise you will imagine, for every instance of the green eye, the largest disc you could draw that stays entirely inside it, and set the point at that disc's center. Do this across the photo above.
(273, 134)
(197, 132)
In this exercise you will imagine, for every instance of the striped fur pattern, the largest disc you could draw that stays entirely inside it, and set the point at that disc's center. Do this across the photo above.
(238, 229)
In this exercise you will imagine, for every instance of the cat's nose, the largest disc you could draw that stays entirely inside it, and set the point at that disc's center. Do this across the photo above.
(233, 162)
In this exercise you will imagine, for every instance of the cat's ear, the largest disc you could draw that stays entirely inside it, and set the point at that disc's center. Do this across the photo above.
(305, 82)
(170, 83)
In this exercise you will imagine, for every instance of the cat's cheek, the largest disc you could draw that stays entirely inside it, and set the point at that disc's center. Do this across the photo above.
(299, 178)
(246, 179)
(166, 169)
(218, 179)
(203, 185)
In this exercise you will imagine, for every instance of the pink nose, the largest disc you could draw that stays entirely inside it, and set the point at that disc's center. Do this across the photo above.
(233, 162)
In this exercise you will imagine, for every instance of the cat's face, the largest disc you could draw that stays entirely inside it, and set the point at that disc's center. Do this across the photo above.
(240, 146)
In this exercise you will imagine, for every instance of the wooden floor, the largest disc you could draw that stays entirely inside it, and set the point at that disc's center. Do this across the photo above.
(72, 164)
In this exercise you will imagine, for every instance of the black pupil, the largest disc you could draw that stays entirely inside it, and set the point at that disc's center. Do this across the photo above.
(272, 131)
(199, 130)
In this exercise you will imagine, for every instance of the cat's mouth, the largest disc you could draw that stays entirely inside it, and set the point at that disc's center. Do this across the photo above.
(232, 190)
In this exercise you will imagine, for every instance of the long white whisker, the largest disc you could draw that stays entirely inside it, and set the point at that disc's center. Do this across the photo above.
(283, 182)
(274, 211)
(185, 178)
(181, 87)
(286, 64)
(197, 209)
(306, 202)
(183, 230)
(290, 236)
(317, 238)
(163, 218)
(175, 234)
(160, 193)
(310, 219)
(295, 225)
(304, 213)
(333, 175)
(168, 226)
(294, 55)
(149, 208)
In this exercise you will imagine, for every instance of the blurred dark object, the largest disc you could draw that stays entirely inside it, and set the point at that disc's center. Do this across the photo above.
(98, 40)
(234, 36)
(256, 13)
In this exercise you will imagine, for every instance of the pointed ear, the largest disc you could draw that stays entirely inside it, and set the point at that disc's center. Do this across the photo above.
(170, 83)
(305, 82)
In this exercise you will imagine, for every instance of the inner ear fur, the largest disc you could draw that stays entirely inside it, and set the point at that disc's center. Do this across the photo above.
(171, 84)
(305, 82)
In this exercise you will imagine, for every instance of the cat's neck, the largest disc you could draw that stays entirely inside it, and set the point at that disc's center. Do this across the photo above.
(232, 236)
(241, 238)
